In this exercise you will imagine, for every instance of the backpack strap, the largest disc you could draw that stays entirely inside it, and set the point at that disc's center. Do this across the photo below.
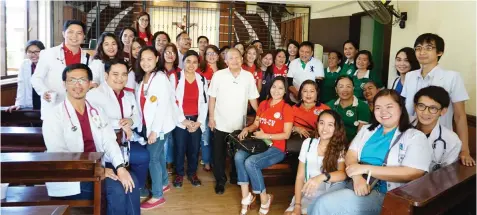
(203, 87)
(87, 59)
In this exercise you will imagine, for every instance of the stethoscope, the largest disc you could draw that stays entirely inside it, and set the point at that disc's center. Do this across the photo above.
(61, 58)
(93, 113)
(434, 144)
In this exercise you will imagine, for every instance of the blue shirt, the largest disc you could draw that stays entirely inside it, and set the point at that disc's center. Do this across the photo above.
(398, 87)
(375, 150)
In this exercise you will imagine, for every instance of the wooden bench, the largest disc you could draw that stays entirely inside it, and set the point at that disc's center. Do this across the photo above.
(50, 167)
(22, 139)
(37, 210)
(434, 193)
(23, 117)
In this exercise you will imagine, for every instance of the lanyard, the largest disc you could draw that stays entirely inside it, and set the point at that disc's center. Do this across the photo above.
(306, 161)
(148, 85)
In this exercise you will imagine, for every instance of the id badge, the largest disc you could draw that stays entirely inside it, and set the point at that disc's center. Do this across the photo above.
(161, 135)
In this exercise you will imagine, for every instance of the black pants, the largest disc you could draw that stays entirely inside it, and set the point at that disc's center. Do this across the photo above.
(219, 152)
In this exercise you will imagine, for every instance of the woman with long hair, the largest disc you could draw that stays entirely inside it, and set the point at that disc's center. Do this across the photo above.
(136, 45)
(267, 74)
(364, 66)
(321, 165)
(212, 63)
(350, 49)
(292, 51)
(109, 47)
(273, 123)
(143, 27)
(406, 61)
(161, 39)
(127, 35)
(251, 63)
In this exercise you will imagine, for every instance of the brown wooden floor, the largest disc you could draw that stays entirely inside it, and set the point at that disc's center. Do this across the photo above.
(203, 200)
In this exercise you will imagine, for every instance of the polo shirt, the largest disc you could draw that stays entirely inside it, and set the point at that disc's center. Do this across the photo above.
(359, 83)
(232, 95)
(71, 58)
(451, 81)
(348, 68)
(280, 72)
(313, 69)
(307, 118)
(272, 119)
(375, 150)
(86, 131)
(358, 112)
(328, 91)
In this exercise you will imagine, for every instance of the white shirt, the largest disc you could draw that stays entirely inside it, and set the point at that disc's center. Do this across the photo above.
(48, 76)
(181, 61)
(310, 154)
(453, 146)
(313, 69)
(451, 81)
(24, 89)
(59, 137)
(232, 96)
(131, 84)
(97, 68)
(412, 150)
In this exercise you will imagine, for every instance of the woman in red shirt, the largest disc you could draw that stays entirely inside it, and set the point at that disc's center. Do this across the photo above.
(212, 63)
(143, 27)
(279, 67)
(274, 122)
(306, 111)
(126, 36)
(252, 63)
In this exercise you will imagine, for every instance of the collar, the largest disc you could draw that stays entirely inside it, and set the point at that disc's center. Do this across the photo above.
(337, 71)
(355, 101)
(431, 74)
(349, 61)
(365, 76)
(311, 58)
(66, 50)
(435, 131)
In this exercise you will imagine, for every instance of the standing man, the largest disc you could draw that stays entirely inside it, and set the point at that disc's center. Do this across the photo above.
(304, 68)
(47, 77)
(203, 42)
(183, 44)
(429, 49)
(230, 91)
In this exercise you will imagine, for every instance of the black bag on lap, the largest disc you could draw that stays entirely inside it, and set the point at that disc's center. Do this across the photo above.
(249, 144)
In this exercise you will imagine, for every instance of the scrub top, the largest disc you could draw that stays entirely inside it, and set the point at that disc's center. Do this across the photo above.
(348, 69)
(375, 150)
(327, 91)
(359, 83)
(351, 115)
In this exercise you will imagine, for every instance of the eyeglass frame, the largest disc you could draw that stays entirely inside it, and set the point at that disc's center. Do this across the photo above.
(75, 81)
(424, 48)
(429, 108)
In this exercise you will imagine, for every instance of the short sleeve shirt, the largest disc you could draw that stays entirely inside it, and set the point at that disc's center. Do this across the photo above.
(348, 69)
(328, 91)
(352, 115)
(309, 155)
(307, 118)
(272, 119)
(312, 70)
(360, 82)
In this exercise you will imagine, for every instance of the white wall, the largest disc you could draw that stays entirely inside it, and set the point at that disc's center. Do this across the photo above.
(455, 22)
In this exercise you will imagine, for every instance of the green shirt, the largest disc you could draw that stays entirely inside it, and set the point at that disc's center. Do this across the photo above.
(359, 83)
(352, 115)
(303, 64)
(327, 91)
(348, 69)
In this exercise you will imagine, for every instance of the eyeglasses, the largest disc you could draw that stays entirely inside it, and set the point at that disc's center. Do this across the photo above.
(170, 53)
(75, 81)
(211, 54)
(423, 107)
(34, 52)
(424, 48)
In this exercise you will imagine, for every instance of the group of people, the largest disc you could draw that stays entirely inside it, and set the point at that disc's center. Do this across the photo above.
(148, 103)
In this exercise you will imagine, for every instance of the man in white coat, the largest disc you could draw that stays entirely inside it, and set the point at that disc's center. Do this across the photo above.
(75, 125)
(47, 77)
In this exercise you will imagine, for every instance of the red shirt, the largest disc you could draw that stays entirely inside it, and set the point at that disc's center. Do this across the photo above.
(307, 118)
(142, 102)
(191, 98)
(146, 38)
(208, 73)
(280, 72)
(71, 58)
(86, 130)
(257, 73)
(273, 119)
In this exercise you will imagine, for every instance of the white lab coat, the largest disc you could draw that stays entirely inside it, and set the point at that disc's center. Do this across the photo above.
(105, 97)
(97, 68)
(412, 150)
(24, 89)
(202, 104)
(158, 109)
(59, 137)
(48, 76)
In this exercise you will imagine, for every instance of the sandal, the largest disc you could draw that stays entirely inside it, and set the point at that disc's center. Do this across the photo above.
(247, 201)
(264, 208)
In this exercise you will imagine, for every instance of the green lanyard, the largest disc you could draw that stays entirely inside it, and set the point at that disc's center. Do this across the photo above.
(306, 161)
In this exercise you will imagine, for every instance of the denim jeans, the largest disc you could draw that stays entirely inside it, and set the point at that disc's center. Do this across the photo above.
(345, 201)
(117, 202)
(187, 144)
(249, 167)
(139, 161)
(157, 166)
(169, 149)
(205, 143)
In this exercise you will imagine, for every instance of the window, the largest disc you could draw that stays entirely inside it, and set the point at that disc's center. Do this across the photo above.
(16, 34)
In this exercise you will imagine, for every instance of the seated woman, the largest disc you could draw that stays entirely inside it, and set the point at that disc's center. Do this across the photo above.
(274, 122)
(321, 166)
(431, 103)
(123, 114)
(370, 89)
(307, 110)
(355, 113)
(27, 97)
(389, 150)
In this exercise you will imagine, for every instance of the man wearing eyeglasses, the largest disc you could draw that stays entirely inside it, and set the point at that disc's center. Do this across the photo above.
(183, 44)
(429, 49)
(430, 103)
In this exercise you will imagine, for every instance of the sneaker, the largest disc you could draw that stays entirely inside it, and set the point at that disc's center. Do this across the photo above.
(194, 180)
(178, 181)
(166, 188)
(144, 193)
(147, 206)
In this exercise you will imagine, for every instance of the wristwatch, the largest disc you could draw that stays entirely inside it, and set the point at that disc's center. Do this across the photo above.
(119, 166)
(328, 176)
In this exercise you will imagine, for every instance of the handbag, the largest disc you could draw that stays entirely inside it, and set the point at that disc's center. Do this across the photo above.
(248, 144)
(294, 142)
